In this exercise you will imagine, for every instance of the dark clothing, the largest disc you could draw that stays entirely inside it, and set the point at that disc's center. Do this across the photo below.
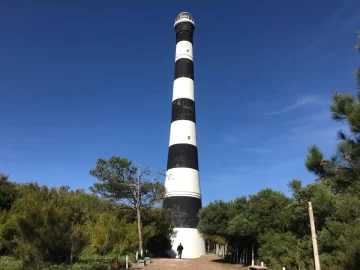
(179, 250)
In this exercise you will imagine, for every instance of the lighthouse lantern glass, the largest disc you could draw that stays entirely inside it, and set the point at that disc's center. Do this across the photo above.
(184, 15)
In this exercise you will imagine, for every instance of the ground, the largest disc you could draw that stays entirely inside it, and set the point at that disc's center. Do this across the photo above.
(209, 262)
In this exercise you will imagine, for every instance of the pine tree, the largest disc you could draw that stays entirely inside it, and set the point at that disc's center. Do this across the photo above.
(342, 171)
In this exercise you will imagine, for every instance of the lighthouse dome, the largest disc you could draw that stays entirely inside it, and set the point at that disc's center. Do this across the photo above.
(184, 17)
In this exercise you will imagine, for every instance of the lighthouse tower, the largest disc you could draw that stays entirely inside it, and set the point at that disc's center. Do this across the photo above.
(183, 197)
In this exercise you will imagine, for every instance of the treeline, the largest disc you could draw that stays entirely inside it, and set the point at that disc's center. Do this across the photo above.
(41, 225)
(278, 227)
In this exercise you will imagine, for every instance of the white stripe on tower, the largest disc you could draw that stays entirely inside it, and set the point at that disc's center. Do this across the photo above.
(183, 196)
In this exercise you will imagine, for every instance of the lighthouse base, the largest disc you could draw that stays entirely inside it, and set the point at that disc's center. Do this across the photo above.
(191, 240)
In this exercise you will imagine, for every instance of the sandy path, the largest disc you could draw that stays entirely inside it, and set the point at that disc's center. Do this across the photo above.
(205, 262)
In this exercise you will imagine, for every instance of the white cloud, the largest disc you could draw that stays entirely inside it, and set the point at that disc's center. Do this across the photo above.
(299, 103)
(234, 138)
(255, 150)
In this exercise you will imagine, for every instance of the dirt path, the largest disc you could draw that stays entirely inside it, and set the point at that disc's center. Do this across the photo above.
(208, 262)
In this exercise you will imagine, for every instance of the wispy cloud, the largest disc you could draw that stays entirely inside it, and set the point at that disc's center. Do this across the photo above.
(254, 175)
(353, 20)
(299, 103)
(344, 16)
(311, 135)
(255, 150)
(233, 139)
(274, 158)
(313, 128)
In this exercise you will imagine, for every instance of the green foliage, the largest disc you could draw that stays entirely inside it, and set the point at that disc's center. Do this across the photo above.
(214, 218)
(7, 262)
(135, 188)
(119, 181)
(340, 243)
(323, 200)
(158, 231)
(246, 218)
(7, 193)
(314, 160)
(240, 222)
(45, 225)
(117, 176)
(269, 209)
(279, 249)
(112, 235)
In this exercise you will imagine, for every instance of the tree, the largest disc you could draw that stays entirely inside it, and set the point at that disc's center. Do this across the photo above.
(239, 223)
(342, 170)
(336, 194)
(279, 249)
(159, 230)
(7, 192)
(110, 234)
(214, 218)
(42, 224)
(132, 187)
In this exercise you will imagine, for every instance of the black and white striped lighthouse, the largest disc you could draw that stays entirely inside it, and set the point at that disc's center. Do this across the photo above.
(183, 196)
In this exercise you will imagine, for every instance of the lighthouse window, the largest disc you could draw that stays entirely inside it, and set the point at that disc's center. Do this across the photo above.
(188, 137)
(184, 15)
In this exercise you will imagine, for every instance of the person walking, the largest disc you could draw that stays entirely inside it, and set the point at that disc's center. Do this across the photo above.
(179, 250)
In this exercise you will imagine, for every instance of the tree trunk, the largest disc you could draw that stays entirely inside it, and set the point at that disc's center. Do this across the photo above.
(138, 214)
(139, 222)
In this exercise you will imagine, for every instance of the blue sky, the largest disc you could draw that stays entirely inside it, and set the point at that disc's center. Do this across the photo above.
(81, 80)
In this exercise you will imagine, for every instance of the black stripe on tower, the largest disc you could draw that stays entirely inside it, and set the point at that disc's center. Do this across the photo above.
(184, 32)
(184, 68)
(183, 109)
(183, 211)
(183, 155)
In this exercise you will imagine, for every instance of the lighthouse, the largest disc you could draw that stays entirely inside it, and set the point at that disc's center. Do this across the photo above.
(183, 197)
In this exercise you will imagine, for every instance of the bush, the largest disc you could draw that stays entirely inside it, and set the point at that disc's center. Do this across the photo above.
(7, 262)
